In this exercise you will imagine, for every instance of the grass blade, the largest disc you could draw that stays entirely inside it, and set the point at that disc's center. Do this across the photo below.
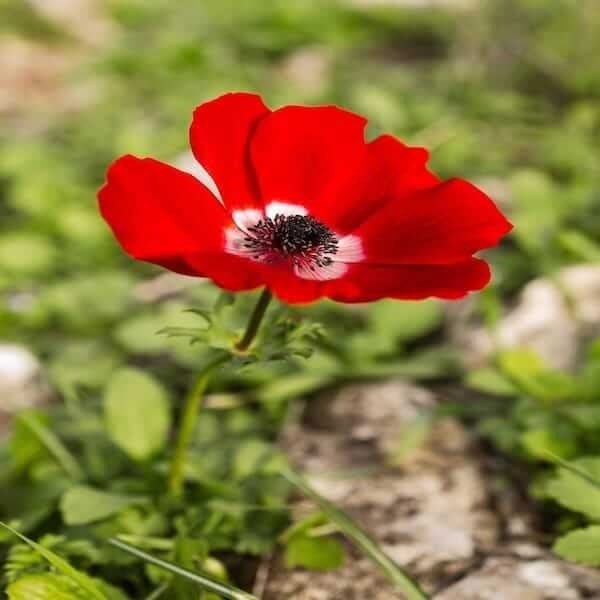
(224, 589)
(53, 444)
(353, 532)
(158, 592)
(60, 564)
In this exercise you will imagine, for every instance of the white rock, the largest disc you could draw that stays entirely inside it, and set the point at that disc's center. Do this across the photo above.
(508, 579)
(582, 285)
(550, 318)
(21, 382)
(544, 574)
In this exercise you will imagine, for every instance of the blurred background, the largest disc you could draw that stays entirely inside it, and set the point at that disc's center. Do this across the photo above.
(505, 93)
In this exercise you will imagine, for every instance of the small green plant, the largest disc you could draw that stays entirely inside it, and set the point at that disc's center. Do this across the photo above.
(552, 417)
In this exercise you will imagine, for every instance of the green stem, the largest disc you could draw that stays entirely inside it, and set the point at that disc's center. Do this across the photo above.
(193, 400)
(255, 320)
(187, 424)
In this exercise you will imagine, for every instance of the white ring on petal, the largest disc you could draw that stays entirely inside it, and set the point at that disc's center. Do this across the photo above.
(335, 270)
(235, 239)
(247, 217)
(284, 208)
(350, 249)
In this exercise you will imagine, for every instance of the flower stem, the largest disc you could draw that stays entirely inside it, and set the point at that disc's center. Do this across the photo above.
(187, 424)
(255, 320)
(193, 400)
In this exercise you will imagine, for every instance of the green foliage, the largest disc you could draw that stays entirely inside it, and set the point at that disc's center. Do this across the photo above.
(48, 586)
(82, 581)
(573, 491)
(507, 78)
(580, 545)
(44, 587)
(234, 500)
(549, 414)
(309, 544)
(317, 553)
(82, 504)
(530, 374)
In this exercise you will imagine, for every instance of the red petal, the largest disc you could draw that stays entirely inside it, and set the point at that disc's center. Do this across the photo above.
(230, 272)
(365, 283)
(236, 273)
(160, 214)
(219, 137)
(387, 170)
(301, 155)
(443, 224)
(291, 289)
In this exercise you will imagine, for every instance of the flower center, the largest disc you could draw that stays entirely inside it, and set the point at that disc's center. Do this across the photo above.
(301, 239)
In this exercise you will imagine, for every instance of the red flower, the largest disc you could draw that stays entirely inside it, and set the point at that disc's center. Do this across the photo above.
(298, 202)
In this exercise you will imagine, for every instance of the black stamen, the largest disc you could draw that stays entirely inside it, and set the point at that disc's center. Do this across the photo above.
(301, 239)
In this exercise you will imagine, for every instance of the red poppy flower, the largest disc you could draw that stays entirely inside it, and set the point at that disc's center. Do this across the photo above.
(297, 201)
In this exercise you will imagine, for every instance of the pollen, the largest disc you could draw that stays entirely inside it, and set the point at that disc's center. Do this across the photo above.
(298, 239)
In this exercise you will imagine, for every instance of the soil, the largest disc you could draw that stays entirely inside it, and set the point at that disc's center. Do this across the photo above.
(443, 513)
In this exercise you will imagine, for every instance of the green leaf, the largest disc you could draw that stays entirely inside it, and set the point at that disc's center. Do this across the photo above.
(585, 416)
(581, 545)
(83, 504)
(319, 553)
(50, 586)
(60, 564)
(362, 540)
(249, 457)
(45, 586)
(302, 527)
(24, 560)
(491, 381)
(26, 253)
(588, 383)
(580, 245)
(576, 470)
(577, 491)
(137, 414)
(542, 441)
(530, 373)
(79, 362)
